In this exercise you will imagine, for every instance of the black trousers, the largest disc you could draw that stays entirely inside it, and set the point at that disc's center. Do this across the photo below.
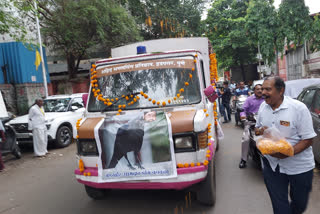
(277, 185)
(226, 111)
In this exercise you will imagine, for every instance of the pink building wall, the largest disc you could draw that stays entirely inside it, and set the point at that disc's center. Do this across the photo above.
(282, 68)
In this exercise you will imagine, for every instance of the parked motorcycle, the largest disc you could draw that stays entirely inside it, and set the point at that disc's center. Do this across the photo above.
(240, 100)
(10, 146)
(254, 152)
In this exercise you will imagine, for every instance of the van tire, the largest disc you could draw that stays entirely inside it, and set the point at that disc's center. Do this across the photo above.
(94, 193)
(206, 193)
(63, 136)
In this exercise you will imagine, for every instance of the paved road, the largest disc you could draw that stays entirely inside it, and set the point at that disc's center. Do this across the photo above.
(37, 186)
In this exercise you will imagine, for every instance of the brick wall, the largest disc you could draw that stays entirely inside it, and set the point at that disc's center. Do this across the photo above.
(26, 95)
(9, 96)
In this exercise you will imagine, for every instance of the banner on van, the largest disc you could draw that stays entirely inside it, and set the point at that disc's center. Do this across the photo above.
(135, 147)
(144, 65)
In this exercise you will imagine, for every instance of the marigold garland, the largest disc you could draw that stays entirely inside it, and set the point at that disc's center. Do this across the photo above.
(213, 79)
(78, 126)
(134, 98)
(110, 101)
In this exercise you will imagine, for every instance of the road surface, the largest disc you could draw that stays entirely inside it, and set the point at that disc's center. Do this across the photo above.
(37, 186)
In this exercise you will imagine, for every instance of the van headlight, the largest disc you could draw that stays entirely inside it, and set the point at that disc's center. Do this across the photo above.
(184, 142)
(87, 147)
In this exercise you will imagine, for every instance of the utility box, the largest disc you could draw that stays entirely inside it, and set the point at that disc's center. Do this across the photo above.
(17, 62)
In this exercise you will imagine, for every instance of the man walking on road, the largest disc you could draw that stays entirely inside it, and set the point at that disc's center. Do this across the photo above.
(39, 129)
(293, 119)
(251, 106)
(225, 105)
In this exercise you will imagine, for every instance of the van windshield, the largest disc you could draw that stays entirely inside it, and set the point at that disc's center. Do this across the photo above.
(160, 82)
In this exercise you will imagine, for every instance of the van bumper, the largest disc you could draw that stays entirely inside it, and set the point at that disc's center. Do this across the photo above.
(186, 178)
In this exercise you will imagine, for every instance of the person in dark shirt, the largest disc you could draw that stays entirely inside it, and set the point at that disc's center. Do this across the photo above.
(225, 99)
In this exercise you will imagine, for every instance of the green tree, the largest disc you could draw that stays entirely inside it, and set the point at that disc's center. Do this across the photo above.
(226, 30)
(314, 35)
(262, 27)
(167, 18)
(9, 23)
(78, 28)
(294, 21)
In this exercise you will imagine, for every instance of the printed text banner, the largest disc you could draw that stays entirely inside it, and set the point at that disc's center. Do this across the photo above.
(144, 65)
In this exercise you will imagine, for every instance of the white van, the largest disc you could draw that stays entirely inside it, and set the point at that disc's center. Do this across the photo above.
(147, 124)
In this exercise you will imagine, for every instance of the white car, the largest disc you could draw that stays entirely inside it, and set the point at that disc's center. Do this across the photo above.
(61, 113)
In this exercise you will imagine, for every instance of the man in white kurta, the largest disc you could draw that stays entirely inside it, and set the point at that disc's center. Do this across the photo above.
(39, 130)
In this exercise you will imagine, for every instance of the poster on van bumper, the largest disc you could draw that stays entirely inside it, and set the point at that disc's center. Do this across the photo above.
(135, 147)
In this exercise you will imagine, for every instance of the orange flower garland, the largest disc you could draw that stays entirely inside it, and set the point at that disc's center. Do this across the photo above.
(108, 101)
(78, 126)
(213, 79)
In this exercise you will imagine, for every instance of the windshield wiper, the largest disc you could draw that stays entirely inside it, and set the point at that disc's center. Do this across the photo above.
(115, 102)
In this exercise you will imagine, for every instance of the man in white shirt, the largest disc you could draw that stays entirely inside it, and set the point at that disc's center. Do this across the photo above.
(293, 119)
(3, 139)
(39, 129)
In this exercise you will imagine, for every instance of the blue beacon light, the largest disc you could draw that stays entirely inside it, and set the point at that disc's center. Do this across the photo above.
(141, 50)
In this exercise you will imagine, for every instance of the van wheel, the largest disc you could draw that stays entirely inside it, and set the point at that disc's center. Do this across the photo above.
(63, 136)
(207, 190)
(94, 193)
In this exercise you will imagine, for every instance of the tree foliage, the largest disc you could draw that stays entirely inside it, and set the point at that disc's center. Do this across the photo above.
(77, 28)
(167, 18)
(262, 26)
(9, 23)
(295, 22)
(315, 32)
(236, 27)
(226, 23)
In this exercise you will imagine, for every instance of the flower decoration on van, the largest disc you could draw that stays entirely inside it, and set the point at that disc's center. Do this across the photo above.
(131, 98)
(213, 79)
(78, 126)
(78, 123)
(81, 166)
(87, 173)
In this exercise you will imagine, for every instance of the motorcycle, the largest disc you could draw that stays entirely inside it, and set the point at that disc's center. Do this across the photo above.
(10, 146)
(254, 152)
(240, 100)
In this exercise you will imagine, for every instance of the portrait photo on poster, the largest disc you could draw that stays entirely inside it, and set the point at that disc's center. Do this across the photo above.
(136, 146)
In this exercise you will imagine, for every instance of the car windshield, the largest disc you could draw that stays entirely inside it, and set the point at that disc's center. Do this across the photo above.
(56, 105)
(160, 80)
